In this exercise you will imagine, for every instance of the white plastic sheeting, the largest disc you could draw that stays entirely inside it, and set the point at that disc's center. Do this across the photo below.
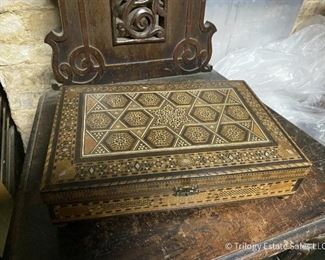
(249, 23)
(289, 76)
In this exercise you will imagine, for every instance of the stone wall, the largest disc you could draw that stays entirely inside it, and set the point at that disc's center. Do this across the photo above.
(25, 61)
(309, 9)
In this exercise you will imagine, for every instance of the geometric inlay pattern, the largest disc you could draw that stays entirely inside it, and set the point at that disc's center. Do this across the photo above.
(136, 118)
(120, 141)
(233, 133)
(158, 132)
(137, 122)
(160, 137)
(100, 120)
(205, 114)
(237, 112)
(197, 135)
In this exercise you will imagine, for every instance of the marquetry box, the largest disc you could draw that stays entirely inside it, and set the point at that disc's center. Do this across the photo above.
(119, 149)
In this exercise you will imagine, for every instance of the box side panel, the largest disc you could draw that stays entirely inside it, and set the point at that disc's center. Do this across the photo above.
(186, 195)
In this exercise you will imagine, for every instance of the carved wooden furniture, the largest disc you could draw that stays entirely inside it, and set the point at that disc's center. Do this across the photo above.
(105, 41)
(187, 234)
(130, 148)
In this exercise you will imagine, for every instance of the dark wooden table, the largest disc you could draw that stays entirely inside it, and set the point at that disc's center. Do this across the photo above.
(184, 234)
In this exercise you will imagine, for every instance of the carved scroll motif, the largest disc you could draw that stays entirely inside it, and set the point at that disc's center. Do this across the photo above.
(106, 41)
(192, 54)
(190, 57)
(139, 20)
(86, 63)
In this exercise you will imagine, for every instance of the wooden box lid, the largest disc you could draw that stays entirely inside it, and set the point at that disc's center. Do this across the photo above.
(112, 135)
